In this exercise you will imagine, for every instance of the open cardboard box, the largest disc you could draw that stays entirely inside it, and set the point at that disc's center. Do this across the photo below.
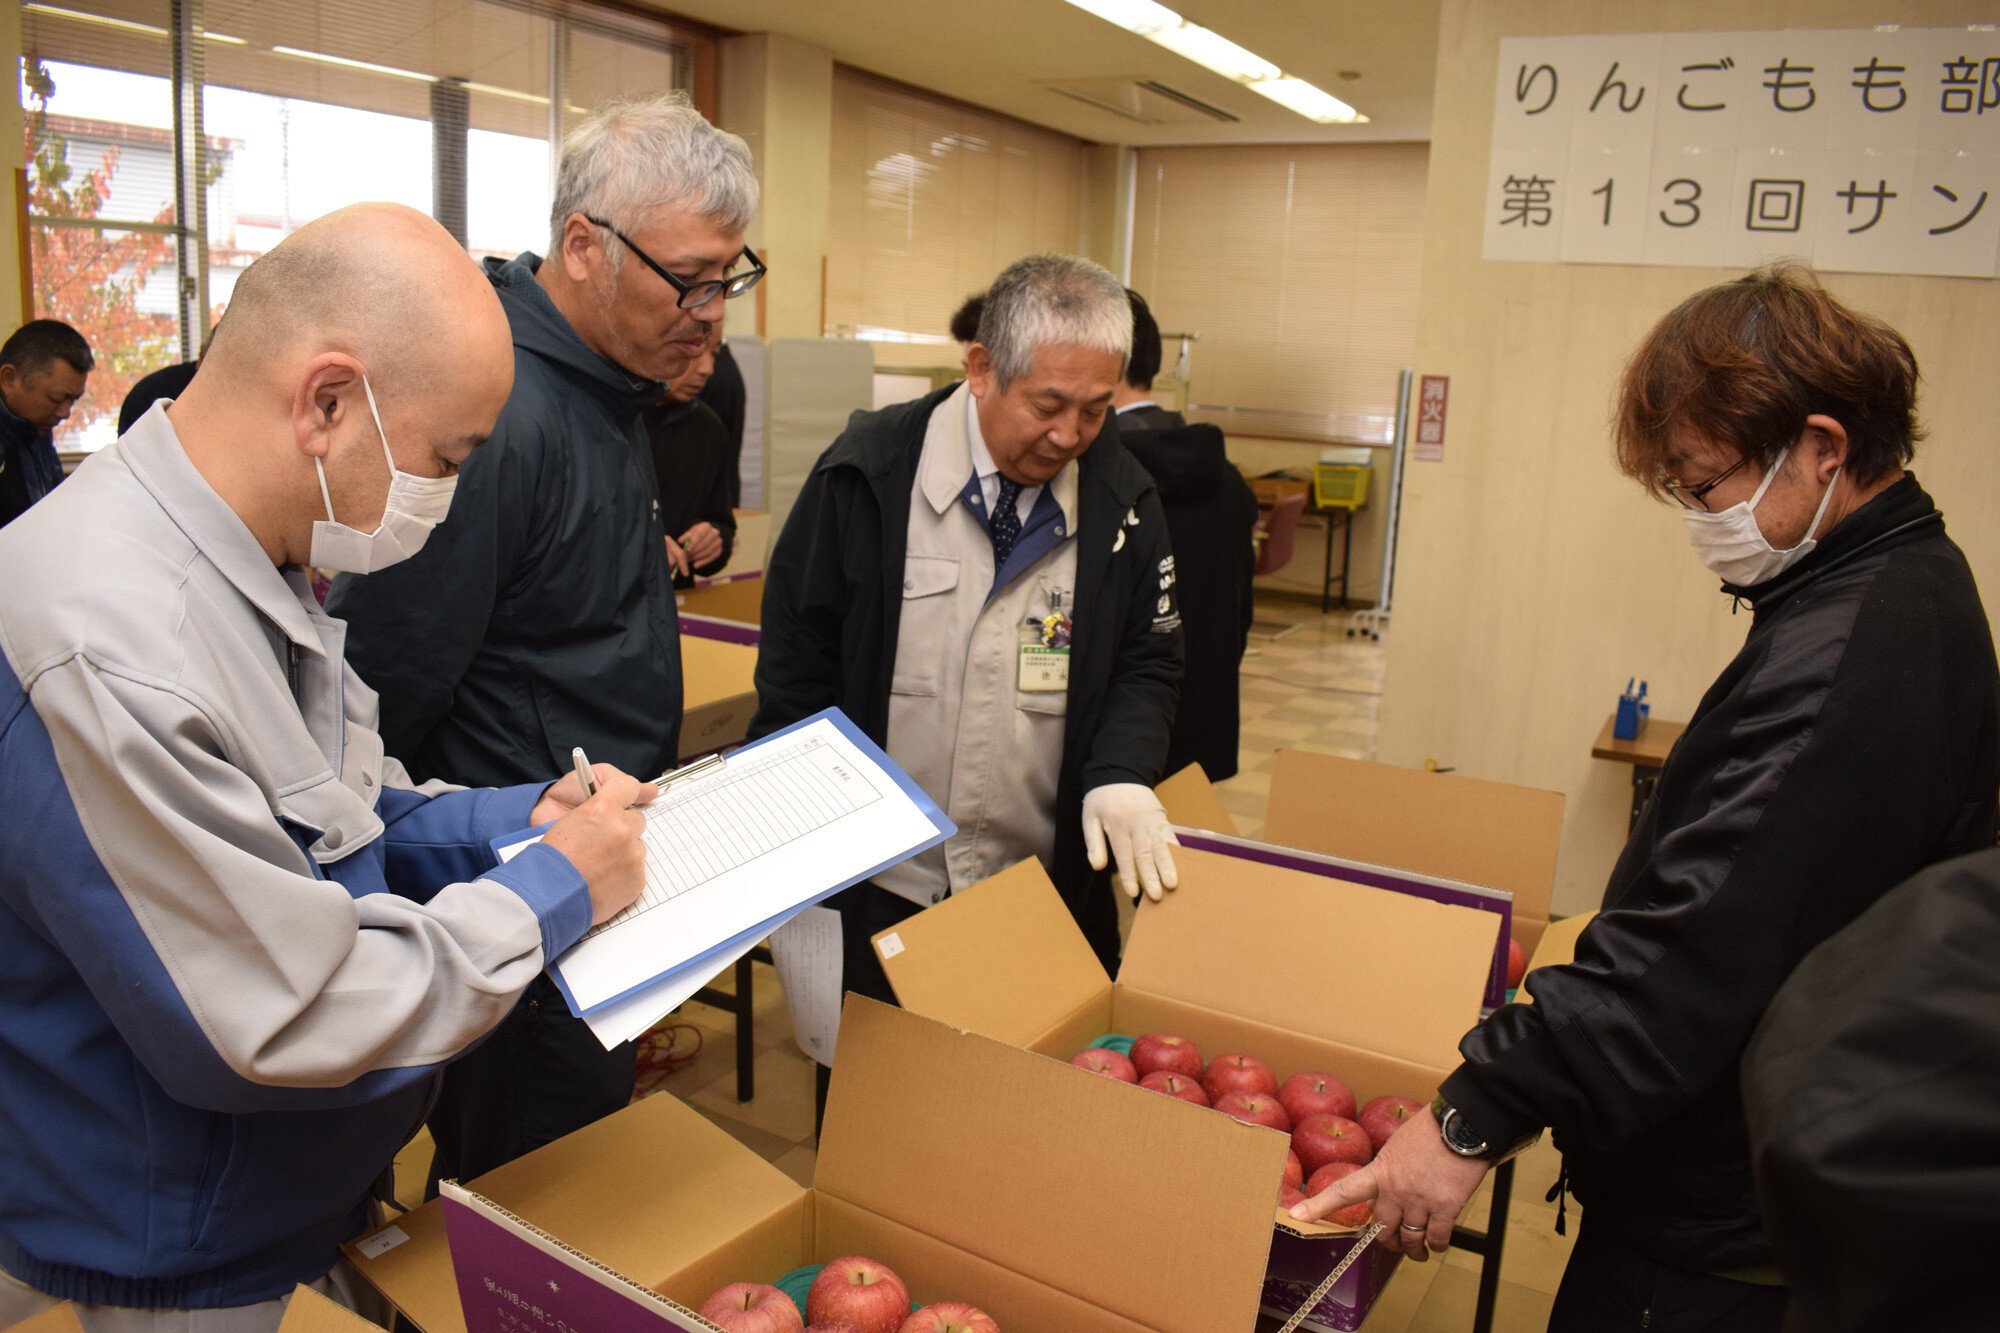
(731, 610)
(1488, 833)
(1051, 1199)
(719, 694)
(1558, 947)
(1192, 801)
(307, 1312)
(1302, 971)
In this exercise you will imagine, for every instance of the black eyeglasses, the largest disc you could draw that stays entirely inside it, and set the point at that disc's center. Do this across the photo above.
(1696, 497)
(693, 294)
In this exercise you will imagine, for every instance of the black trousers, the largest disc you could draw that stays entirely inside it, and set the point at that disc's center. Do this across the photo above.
(540, 1075)
(1609, 1287)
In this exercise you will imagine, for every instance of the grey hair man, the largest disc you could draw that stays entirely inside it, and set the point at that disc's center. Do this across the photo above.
(982, 580)
(543, 617)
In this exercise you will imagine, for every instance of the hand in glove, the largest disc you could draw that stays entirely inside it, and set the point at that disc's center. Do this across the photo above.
(1132, 819)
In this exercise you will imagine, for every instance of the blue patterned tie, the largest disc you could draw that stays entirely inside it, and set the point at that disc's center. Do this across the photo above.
(1005, 526)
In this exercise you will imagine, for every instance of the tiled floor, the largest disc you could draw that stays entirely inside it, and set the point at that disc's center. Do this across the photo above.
(1313, 689)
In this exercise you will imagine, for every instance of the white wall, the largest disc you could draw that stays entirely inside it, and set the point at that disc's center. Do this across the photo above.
(1532, 579)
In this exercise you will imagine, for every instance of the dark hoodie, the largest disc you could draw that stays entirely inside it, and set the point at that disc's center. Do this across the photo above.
(1211, 513)
(539, 615)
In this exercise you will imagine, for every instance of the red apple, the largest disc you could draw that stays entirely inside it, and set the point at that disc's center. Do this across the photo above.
(1326, 1137)
(1287, 1196)
(950, 1317)
(857, 1290)
(1253, 1108)
(1295, 1171)
(1383, 1116)
(1355, 1214)
(752, 1307)
(1310, 1094)
(1159, 1050)
(1109, 1063)
(1175, 1085)
(1238, 1073)
(1517, 962)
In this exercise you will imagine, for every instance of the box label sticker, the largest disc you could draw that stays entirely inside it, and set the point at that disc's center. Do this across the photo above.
(379, 1244)
(890, 945)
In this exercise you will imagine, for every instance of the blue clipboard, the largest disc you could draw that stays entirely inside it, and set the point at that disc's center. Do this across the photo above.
(941, 826)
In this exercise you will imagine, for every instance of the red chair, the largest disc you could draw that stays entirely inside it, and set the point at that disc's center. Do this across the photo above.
(1278, 530)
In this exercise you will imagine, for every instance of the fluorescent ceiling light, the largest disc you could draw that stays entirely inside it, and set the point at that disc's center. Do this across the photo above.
(491, 90)
(345, 63)
(225, 39)
(1211, 50)
(1314, 103)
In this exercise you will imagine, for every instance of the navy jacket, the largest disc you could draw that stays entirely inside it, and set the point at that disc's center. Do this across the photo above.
(539, 615)
(29, 466)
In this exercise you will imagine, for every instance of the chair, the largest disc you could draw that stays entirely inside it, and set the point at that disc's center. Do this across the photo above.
(1277, 534)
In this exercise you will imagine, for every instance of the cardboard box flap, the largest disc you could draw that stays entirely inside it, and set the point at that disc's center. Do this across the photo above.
(1192, 801)
(988, 1147)
(1323, 957)
(738, 600)
(1443, 824)
(714, 671)
(617, 1190)
(61, 1318)
(1003, 958)
(310, 1312)
(1558, 946)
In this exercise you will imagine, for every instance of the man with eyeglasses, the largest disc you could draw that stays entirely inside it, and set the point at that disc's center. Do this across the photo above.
(1853, 741)
(542, 618)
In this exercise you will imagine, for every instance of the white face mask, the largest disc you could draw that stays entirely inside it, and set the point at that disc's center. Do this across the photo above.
(415, 506)
(1729, 541)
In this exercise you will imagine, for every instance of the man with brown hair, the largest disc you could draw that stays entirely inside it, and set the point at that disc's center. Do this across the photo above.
(1854, 740)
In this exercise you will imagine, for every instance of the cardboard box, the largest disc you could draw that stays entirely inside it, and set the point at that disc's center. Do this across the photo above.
(1220, 962)
(718, 693)
(1192, 802)
(308, 1312)
(729, 609)
(1487, 833)
(1052, 1199)
(1558, 946)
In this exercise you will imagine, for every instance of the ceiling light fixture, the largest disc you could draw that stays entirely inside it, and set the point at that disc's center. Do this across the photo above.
(345, 63)
(1211, 50)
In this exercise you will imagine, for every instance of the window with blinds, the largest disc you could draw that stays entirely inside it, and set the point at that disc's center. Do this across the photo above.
(1298, 267)
(140, 221)
(930, 199)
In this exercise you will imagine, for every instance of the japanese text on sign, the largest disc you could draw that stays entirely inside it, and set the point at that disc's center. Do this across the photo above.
(1873, 151)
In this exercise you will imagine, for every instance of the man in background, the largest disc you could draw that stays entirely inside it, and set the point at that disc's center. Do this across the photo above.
(724, 395)
(44, 366)
(236, 942)
(981, 580)
(1136, 409)
(1212, 517)
(692, 458)
(543, 618)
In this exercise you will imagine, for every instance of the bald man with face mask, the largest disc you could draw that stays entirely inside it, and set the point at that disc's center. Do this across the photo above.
(236, 943)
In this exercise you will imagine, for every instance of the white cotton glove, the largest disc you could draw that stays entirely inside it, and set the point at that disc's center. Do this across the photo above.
(1132, 819)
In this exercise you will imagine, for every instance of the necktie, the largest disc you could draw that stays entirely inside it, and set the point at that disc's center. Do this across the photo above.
(1005, 526)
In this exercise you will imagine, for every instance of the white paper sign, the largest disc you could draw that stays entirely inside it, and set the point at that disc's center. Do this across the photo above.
(1864, 150)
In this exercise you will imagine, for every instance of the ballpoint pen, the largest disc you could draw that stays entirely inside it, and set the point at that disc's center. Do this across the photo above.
(583, 774)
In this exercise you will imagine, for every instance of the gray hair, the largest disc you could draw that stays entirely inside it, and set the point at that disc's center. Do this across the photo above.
(1053, 301)
(633, 156)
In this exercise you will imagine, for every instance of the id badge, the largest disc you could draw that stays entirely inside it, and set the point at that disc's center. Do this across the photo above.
(1043, 670)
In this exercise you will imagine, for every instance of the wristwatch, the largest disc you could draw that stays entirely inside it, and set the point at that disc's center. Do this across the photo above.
(1463, 1140)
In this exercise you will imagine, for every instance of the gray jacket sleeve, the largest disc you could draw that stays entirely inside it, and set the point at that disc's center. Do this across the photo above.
(239, 977)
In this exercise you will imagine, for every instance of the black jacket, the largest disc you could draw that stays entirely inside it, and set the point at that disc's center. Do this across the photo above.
(539, 615)
(29, 466)
(724, 395)
(1150, 416)
(1870, 1088)
(692, 460)
(1854, 740)
(1211, 514)
(833, 603)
